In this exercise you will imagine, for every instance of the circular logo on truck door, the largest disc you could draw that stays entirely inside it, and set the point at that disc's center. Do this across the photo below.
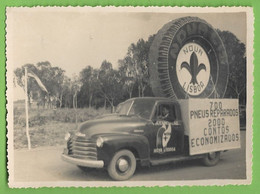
(188, 59)
(193, 69)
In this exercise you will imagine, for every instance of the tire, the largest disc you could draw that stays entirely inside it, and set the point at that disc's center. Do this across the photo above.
(127, 168)
(178, 44)
(211, 159)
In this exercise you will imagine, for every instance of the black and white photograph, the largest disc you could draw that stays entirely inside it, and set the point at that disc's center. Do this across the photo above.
(129, 96)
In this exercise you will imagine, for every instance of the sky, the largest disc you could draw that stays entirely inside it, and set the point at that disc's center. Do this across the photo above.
(73, 38)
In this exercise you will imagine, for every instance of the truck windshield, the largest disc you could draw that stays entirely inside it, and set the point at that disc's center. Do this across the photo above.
(140, 108)
(123, 108)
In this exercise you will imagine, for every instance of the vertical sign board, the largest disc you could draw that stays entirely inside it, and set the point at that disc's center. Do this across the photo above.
(211, 124)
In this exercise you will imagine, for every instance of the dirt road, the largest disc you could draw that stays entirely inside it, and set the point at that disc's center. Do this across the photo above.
(45, 164)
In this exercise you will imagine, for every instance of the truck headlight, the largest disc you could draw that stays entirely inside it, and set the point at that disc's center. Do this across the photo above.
(67, 136)
(100, 142)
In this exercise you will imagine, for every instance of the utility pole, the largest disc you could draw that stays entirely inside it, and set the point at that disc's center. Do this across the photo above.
(26, 110)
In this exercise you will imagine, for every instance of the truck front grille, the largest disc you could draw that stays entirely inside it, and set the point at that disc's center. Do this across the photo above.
(80, 147)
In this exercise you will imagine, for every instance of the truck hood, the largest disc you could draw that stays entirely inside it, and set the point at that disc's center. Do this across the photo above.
(111, 124)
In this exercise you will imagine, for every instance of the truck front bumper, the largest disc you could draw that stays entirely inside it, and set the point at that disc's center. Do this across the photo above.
(82, 162)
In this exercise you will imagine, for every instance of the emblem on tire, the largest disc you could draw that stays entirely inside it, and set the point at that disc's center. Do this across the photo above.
(193, 69)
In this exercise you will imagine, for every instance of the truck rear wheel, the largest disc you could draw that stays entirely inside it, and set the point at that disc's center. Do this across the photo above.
(122, 166)
(211, 159)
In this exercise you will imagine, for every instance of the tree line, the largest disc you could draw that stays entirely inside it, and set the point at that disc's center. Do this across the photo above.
(106, 86)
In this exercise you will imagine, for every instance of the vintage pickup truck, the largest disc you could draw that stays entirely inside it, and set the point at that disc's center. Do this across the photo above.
(155, 130)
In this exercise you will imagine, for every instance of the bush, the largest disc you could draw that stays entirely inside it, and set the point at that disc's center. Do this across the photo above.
(37, 120)
(71, 115)
(48, 126)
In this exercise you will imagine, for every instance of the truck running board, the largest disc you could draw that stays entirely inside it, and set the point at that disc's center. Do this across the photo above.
(155, 162)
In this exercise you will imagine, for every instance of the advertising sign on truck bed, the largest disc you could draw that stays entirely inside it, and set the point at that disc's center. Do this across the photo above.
(211, 124)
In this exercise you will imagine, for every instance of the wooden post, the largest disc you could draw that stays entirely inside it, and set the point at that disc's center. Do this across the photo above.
(26, 110)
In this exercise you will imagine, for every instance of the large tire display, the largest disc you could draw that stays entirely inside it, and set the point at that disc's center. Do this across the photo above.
(188, 59)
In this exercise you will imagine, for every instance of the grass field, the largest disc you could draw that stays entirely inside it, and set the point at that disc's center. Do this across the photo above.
(48, 126)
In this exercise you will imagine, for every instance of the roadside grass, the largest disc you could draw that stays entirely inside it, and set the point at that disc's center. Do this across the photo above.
(47, 127)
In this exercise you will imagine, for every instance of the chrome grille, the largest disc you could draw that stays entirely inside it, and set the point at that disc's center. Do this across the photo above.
(83, 148)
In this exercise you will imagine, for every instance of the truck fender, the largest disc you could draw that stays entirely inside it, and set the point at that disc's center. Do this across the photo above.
(138, 144)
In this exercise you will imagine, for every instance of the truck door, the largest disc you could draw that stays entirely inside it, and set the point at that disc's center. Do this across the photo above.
(166, 132)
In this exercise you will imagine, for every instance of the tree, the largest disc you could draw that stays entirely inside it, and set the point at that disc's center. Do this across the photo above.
(109, 85)
(33, 89)
(75, 88)
(136, 61)
(63, 90)
(127, 74)
(89, 79)
(106, 66)
(51, 77)
(237, 65)
(68, 95)
(19, 73)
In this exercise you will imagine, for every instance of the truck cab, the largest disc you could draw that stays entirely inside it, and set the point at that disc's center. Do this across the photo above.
(144, 131)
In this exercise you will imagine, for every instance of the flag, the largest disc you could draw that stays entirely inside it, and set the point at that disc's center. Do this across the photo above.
(31, 74)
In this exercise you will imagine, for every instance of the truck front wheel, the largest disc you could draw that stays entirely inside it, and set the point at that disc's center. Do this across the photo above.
(122, 166)
(211, 159)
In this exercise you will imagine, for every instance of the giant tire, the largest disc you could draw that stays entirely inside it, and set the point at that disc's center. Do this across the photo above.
(173, 38)
(125, 172)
